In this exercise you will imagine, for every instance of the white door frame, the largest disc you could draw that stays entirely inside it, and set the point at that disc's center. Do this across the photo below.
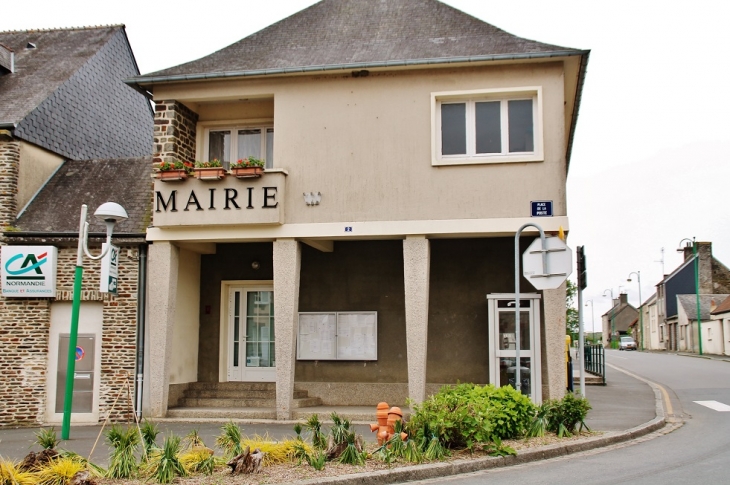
(496, 353)
(227, 372)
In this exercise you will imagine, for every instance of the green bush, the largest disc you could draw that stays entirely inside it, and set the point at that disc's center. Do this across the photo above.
(562, 416)
(464, 415)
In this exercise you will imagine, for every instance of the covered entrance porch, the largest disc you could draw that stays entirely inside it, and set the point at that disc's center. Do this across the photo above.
(224, 333)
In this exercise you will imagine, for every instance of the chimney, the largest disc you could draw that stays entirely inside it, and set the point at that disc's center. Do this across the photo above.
(687, 251)
(623, 298)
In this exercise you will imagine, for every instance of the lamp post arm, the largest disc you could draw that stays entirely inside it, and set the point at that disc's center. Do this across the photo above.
(109, 228)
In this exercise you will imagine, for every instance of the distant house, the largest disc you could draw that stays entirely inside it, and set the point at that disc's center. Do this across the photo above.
(650, 338)
(714, 279)
(689, 330)
(721, 316)
(71, 132)
(618, 319)
(405, 143)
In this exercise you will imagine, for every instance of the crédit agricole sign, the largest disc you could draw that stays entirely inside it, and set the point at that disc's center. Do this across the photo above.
(29, 271)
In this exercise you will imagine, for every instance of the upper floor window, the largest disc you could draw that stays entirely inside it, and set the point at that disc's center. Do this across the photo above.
(487, 126)
(234, 143)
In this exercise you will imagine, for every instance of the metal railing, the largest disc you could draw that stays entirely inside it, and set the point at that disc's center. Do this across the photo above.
(595, 361)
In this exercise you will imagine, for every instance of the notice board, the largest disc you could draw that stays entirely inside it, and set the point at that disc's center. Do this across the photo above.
(338, 336)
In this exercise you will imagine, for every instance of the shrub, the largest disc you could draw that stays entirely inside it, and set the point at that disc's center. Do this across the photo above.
(275, 452)
(122, 462)
(47, 438)
(230, 440)
(11, 474)
(464, 415)
(149, 432)
(164, 465)
(58, 472)
(561, 417)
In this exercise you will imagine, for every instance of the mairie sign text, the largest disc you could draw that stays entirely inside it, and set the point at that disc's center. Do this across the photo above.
(230, 199)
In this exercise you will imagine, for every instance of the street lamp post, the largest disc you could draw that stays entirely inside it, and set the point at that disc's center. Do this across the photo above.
(697, 285)
(641, 313)
(110, 213)
(593, 317)
(613, 329)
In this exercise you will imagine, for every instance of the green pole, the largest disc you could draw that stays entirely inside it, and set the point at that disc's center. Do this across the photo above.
(71, 365)
(697, 292)
(73, 337)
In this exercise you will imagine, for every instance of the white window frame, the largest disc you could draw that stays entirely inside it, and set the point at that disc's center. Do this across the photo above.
(234, 139)
(470, 98)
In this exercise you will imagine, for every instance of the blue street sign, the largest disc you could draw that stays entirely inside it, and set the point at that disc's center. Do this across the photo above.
(541, 208)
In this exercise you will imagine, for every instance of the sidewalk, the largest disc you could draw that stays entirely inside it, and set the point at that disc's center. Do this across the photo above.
(625, 408)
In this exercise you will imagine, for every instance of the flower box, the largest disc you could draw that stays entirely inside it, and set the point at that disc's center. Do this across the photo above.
(174, 175)
(209, 173)
(246, 172)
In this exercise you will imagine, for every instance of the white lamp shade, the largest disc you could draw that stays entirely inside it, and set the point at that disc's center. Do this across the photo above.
(111, 212)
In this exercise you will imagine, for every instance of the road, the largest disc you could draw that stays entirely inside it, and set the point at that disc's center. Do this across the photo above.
(697, 452)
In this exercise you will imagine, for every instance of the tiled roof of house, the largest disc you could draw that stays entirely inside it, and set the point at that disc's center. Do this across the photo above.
(67, 95)
(56, 208)
(723, 307)
(362, 32)
(689, 304)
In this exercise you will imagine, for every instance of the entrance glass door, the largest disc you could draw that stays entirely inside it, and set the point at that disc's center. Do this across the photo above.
(252, 356)
(503, 343)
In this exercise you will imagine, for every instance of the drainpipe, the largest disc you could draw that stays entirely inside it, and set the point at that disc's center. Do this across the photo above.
(141, 314)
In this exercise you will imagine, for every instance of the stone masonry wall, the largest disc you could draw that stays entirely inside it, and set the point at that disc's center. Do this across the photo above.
(174, 132)
(9, 163)
(24, 338)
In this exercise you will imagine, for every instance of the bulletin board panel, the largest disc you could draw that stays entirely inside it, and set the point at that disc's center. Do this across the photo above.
(338, 336)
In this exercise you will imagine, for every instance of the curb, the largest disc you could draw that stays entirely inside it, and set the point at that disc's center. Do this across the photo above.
(457, 467)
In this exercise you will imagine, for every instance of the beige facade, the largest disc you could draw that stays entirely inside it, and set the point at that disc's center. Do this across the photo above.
(365, 145)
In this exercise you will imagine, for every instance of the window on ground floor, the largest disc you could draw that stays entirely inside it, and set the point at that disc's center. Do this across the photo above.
(487, 126)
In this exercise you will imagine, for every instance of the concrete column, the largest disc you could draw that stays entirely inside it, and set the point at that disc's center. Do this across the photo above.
(287, 263)
(416, 268)
(162, 287)
(554, 375)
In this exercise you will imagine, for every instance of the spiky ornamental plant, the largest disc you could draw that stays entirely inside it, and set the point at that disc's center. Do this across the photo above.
(165, 463)
(340, 428)
(317, 459)
(199, 459)
(11, 474)
(47, 438)
(149, 432)
(314, 426)
(58, 472)
(230, 440)
(123, 461)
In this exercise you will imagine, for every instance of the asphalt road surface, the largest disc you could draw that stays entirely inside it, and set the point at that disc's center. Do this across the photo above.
(696, 453)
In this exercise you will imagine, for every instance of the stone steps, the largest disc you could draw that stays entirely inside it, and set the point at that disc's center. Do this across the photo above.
(235, 400)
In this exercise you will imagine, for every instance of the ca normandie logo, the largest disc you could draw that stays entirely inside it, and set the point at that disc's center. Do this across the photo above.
(29, 269)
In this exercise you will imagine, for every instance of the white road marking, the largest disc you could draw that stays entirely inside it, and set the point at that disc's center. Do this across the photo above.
(717, 406)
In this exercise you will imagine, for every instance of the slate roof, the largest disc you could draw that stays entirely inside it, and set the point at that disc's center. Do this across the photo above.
(56, 208)
(41, 70)
(67, 94)
(689, 304)
(360, 33)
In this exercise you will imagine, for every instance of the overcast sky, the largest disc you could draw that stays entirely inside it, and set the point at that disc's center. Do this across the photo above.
(650, 159)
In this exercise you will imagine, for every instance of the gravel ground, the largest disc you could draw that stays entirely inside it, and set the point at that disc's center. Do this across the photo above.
(292, 473)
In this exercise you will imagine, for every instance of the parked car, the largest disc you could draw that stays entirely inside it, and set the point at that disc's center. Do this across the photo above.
(627, 343)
